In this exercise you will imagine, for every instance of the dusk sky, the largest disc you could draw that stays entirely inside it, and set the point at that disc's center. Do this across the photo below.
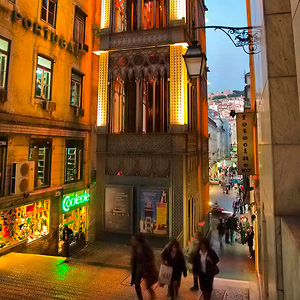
(227, 63)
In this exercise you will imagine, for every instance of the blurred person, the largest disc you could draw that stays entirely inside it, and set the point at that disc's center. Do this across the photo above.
(221, 231)
(232, 225)
(143, 265)
(173, 256)
(192, 250)
(226, 230)
(250, 238)
(206, 265)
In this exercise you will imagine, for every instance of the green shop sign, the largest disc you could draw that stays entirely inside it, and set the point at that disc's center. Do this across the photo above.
(75, 199)
(46, 33)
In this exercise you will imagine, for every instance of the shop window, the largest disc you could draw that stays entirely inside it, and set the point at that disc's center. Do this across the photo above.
(40, 153)
(79, 26)
(76, 89)
(77, 221)
(43, 78)
(74, 160)
(48, 13)
(4, 55)
(24, 223)
(3, 147)
(154, 14)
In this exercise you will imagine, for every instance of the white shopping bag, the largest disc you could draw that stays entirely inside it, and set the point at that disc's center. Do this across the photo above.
(165, 274)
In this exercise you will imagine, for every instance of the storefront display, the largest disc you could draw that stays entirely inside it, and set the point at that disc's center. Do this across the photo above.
(74, 215)
(24, 223)
(118, 209)
(154, 211)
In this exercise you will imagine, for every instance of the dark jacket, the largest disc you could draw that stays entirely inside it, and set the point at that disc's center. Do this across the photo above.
(214, 259)
(232, 223)
(178, 263)
(250, 237)
(145, 261)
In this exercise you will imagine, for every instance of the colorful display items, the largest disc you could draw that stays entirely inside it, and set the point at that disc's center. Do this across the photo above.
(24, 223)
(154, 211)
(70, 201)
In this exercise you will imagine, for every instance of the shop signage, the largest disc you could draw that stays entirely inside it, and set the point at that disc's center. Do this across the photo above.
(245, 151)
(44, 32)
(71, 200)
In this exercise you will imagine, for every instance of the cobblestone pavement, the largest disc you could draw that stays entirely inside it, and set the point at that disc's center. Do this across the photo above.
(27, 276)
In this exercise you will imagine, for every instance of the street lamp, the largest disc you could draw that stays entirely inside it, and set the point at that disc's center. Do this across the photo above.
(195, 60)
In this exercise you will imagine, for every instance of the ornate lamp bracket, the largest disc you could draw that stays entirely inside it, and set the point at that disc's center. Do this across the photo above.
(246, 37)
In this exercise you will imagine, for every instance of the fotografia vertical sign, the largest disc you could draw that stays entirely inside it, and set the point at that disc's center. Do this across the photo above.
(245, 151)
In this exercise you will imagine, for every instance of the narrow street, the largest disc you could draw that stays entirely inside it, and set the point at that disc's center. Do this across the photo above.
(98, 272)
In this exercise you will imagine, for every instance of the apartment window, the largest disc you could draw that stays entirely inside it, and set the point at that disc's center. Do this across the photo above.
(79, 26)
(40, 153)
(3, 147)
(154, 14)
(76, 89)
(43, 78)
(48, 13)
(74, 160)
(4, 54)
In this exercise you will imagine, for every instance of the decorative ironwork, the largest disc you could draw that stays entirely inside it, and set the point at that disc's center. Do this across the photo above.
(246, 37)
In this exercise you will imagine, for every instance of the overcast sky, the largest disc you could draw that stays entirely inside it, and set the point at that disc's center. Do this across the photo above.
(227, 63)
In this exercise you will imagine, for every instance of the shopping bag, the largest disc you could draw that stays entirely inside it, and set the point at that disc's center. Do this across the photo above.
(165, 274)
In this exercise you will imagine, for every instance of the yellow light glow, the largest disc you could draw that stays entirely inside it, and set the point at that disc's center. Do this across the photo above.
(105, 14)
(177, 10)
(178, 85)
(102, 89)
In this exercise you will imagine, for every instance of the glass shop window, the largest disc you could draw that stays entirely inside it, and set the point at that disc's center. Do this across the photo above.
(43, 78)
(24, 223)
(76, 89)
(79, 26)
(74, 160)
(4, 55)
(40, 153)
(48, 13)
(3, 149)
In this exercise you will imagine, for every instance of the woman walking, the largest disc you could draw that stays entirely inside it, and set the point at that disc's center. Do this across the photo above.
(206, 263)
(143, 265)
(173, 256)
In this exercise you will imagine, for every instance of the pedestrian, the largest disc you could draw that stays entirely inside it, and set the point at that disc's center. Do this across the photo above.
(241, 205)
(226, 230)
(232, 225)
(143, 265)
(250, 238)
(67, 234)
(206, 264)
(221, 231)
(192, 250)
(234, 206)
(173, 256)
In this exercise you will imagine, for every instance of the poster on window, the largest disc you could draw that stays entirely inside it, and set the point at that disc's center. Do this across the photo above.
(118, 209)
(154, 211)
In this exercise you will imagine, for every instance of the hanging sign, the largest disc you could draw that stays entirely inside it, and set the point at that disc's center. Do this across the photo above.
(245, 151)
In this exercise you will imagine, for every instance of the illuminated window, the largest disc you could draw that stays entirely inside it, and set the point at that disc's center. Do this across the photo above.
(4, 54)
(40, 153)
(74, 160)
(154, 14)
(3, 149)
(79, 26)
(24, 223)
(120, 16)
(43, 78)
(48, 13)
(76, 89)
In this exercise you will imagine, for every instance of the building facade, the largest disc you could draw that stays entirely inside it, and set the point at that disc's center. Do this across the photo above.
(152, 151)
(274, 95)
(46, 94)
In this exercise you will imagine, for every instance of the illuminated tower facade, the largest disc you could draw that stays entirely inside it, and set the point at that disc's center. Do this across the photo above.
(151, 120)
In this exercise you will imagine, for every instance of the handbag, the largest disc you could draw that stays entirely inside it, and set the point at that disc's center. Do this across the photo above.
(165, 274)
(215, 270)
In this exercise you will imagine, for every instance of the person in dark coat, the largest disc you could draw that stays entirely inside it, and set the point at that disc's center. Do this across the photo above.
(221, 231)
(173, 256)
(250, 238)
(206, 263)
(143, 265)
(67, 234)
(232, 225)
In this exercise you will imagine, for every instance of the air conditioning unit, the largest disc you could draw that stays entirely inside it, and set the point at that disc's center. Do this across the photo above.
(3, 94)
(48, 105)
(78, 112)
(83, 47)
(22, 177)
